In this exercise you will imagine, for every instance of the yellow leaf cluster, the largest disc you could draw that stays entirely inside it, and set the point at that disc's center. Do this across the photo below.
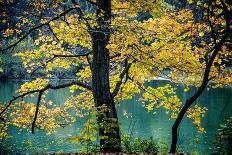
(196, 113)
(36, 84)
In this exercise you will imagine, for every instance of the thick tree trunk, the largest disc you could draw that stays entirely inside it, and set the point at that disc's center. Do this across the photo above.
(107, 119)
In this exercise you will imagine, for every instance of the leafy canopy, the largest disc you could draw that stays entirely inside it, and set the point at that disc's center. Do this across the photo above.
(170, 44)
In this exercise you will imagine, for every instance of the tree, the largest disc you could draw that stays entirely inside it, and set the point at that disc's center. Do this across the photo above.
(99, 33)
(118, 56)
(220, 31)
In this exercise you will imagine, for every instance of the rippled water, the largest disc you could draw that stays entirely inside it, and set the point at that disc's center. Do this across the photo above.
(139, 122)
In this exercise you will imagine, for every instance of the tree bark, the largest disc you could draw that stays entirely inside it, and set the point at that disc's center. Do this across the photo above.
(198, 92)
(107, 119)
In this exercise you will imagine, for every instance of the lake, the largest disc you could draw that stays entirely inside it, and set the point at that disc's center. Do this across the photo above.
(138, 121)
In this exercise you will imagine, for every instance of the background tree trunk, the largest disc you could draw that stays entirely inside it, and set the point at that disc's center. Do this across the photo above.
(107, 119)
(198, 92)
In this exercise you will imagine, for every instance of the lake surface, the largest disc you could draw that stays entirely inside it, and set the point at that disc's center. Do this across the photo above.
(138, 121)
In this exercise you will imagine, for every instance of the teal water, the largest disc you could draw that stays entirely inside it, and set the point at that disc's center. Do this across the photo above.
(138, 121)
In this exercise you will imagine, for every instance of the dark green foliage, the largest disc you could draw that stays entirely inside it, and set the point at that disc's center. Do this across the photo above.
(223, 143)
(137, 145)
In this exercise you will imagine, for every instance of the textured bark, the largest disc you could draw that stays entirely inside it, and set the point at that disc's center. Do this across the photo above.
(100, 81)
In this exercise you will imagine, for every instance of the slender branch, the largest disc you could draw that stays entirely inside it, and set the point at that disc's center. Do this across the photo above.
(119, 83)
(43, 65)
(59, 56)
(36, 112)
(37, 27)
(141, 87)
(48, 86)
(71, 56)
(89, 62)
(53, 32)
(115, 56)
(15, 98)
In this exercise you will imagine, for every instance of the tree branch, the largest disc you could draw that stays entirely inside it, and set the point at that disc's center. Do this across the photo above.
(35, 28)
(89, 62)
(36, 112)
(123, 73)
(60, 56)
(48, 86)
(72, 56)
(115, 55)
(53, 32)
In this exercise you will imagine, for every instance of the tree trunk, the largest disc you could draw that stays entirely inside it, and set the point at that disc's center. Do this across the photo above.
(180, 116)
(198, 92)
(107, 119)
